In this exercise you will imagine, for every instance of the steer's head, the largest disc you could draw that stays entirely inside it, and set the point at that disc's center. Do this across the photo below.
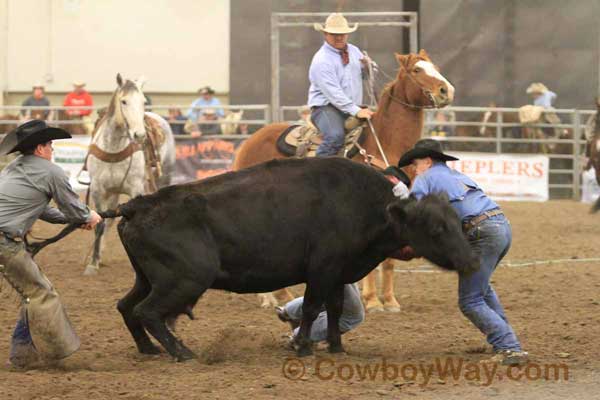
(432, 229)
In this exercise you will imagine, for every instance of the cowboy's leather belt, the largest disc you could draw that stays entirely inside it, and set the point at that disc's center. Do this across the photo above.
(473, 222)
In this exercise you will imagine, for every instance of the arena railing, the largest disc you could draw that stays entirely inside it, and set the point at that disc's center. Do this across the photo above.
(565, 167)
(260, 113)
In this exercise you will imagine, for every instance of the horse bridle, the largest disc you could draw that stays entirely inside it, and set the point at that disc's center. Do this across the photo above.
(426, 92)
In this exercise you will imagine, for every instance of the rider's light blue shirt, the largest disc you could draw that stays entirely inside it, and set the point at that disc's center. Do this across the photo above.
(545, 99)
(464, 194)
(193, 114)
(332, 82)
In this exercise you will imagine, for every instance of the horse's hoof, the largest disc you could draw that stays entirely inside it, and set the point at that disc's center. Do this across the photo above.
(392, 309)
(268, 301)
(371, 309)
(91, 270)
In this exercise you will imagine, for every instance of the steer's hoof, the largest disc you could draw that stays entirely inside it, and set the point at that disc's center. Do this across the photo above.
(185, 355)
(304, 351)
(336, 348)
(149, 349)
(91, 270)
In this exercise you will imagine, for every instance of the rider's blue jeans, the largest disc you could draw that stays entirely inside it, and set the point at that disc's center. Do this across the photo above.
(353, 314)
(330, 122)
(490, 240)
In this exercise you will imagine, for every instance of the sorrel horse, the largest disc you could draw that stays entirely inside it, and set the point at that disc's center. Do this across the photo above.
(117, 160)
(398, 123)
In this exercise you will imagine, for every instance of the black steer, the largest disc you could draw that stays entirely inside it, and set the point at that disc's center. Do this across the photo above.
(323, 221)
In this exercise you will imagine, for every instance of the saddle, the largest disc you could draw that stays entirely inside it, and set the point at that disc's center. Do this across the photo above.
(303, 140)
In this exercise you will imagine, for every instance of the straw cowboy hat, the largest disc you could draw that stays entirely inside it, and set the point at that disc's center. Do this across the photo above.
(335, 23)
(537, 87)
(425, 148)
(30, 134)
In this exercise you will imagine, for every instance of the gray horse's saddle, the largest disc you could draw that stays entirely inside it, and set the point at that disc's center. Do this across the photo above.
(303, 140)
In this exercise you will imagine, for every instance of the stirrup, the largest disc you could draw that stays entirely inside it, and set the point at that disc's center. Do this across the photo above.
(83, 178)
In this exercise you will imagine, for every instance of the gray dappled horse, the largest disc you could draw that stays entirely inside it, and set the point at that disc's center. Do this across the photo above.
(122, 131)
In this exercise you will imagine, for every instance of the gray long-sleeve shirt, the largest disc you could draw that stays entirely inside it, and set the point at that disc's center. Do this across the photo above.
(26, 187)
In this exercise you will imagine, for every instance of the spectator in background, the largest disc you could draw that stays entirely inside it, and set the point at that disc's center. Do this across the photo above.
(441, 117)
(543, 97)
(37, 99)
(79, 97)
(148, 100)
(207, 99)
(176, 121)
(208, 114)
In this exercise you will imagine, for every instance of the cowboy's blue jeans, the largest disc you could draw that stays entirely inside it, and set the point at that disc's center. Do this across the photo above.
(353, 314)
(490, 240)
(330, 122)
(21, 335)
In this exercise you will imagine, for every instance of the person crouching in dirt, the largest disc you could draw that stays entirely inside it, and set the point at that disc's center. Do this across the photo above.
(353, 311)
(43, 331)
(489, 235)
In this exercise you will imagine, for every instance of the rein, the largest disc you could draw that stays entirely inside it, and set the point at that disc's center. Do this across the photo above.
(426, 92)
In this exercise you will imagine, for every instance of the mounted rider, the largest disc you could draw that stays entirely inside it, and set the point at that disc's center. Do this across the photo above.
(335, 91)
(27, 185)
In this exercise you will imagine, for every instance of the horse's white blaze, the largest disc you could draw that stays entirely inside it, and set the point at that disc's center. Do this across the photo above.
(430, 70)
(133, 113)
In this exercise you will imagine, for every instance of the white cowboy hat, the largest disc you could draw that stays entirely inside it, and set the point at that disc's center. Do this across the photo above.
(335, 23)
(537, 87)
(38, 85)
(79, 83)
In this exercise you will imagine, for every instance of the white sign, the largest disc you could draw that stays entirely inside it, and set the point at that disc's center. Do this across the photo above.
(590, 190)
(506, 176)
(70, 155)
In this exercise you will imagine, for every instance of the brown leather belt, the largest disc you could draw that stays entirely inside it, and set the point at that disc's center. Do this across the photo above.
(482, 217)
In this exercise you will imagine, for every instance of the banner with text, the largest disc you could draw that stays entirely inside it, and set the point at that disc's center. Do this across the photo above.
(203, 157)
(70, 155)
(506, 176)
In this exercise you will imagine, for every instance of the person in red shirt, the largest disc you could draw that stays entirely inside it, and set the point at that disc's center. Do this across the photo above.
(77, 98)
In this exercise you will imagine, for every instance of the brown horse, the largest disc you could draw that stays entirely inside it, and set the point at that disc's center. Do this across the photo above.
(398, 124)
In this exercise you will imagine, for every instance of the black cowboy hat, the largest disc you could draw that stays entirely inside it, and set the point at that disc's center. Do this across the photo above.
(206, 90)
(29, 135)
(425, 148)
(398, 173)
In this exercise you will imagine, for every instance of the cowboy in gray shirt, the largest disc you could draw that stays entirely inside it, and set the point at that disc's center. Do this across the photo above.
(26, 187)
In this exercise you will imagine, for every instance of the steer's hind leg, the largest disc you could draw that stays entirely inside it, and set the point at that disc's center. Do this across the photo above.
(311, 307)
(159, 305)
(334, 305)
(139, 292)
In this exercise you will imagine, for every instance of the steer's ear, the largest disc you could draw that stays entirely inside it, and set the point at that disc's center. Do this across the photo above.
(397, 211)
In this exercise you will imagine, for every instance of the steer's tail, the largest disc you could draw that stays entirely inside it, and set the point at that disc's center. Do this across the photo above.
(112, 213)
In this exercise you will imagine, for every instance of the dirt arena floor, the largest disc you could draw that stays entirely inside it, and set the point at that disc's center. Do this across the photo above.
(554, 308)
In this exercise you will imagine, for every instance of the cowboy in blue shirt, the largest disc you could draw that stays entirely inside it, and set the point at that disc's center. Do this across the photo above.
(335, 91)
(489, 234)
